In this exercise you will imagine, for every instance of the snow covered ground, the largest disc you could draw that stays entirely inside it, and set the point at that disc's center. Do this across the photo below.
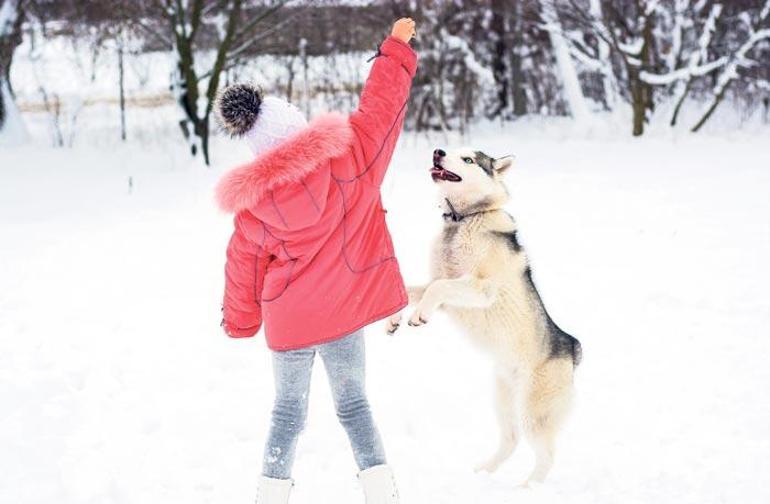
(117, 386)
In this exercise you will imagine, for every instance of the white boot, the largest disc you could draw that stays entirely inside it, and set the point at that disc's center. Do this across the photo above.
(274, 491)
(379, 485)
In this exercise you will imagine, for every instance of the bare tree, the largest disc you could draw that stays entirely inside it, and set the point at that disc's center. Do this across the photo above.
(665, 50)
(231, 28)
(500, 27)
(11, 18)
(696, 57)
(758, 31)
(629, 32)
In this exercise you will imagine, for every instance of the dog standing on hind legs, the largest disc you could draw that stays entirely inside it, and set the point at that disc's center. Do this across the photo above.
(482, 279)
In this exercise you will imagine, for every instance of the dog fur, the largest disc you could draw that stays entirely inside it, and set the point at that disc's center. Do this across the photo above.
(482, 279)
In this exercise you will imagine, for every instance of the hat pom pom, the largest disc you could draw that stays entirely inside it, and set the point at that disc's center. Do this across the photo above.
(238, 107)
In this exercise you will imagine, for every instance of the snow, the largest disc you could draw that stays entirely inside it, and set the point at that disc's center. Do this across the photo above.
(633, 48)
(117, 385)
(684, 73)
(708, 31)
(651, 6)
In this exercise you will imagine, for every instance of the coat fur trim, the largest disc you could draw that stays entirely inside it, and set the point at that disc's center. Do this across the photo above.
(326, 137)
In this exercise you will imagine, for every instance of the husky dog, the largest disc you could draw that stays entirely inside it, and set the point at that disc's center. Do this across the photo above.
(481, 278)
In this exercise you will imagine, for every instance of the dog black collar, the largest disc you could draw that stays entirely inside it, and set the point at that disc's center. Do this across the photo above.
(455, 216)
(452, 214)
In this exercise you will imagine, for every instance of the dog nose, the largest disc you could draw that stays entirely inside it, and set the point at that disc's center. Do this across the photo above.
(439, 153)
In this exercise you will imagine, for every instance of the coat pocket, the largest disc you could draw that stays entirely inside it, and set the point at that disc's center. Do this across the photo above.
(367, 241)
(277, 280)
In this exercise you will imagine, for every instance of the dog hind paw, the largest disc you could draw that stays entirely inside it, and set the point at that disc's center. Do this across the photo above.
(489, 466)
(537, 491)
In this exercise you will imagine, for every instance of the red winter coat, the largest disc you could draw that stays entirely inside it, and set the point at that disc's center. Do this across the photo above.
(311, 255)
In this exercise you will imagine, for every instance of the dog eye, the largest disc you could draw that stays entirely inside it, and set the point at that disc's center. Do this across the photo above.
(468, 160)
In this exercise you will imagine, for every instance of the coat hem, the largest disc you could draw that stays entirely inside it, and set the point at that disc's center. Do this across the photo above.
(347, 332)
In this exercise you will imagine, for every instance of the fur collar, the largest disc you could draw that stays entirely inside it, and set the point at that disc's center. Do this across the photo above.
(325, 137)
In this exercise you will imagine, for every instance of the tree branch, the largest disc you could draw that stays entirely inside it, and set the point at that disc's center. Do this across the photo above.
(152, 32)
(250, 25)
(682, 73)
(246, 45)
(195, 17)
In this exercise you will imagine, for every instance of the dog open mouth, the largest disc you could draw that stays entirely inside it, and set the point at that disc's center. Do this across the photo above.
(439, 173)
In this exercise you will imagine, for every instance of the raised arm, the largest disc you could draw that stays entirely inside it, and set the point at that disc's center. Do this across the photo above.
(244, 277)
(380, 116)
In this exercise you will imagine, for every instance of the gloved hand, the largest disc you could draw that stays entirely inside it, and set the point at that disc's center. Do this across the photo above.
(404, 29)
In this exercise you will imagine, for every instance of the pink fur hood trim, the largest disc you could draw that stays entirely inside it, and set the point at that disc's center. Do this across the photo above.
(325, 137)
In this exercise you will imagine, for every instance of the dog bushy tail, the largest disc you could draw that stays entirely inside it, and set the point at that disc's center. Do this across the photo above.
(577, 352)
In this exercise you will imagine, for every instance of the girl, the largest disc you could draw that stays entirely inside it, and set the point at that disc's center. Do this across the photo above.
(311, 255)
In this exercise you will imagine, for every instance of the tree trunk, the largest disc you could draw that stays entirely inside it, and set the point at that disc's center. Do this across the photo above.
(11, 18)
(647, 56)
(641, 99)
(680, 102)
(499, 57)
(641, 92)
(202, 132)
(638, 105)
(305, 78)
(290, 82)
(183, 91)
(517, 70)
(194, 125)
(121, 88)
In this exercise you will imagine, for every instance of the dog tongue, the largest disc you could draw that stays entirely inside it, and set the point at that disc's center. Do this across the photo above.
(439, 173)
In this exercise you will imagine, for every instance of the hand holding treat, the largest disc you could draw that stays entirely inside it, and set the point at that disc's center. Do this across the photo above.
(403, 29)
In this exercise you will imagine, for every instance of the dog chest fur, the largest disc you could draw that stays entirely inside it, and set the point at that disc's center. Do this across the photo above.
(484, 246)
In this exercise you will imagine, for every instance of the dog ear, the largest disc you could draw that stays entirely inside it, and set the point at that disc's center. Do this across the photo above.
(502, 164)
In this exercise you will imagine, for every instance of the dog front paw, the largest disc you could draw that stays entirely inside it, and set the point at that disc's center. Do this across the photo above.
(393, 323)
(418, 318)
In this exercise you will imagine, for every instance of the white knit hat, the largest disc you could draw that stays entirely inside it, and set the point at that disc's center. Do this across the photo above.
(263, 122)
(277, 120)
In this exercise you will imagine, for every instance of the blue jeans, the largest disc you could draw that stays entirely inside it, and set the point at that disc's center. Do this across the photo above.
(344, 362)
